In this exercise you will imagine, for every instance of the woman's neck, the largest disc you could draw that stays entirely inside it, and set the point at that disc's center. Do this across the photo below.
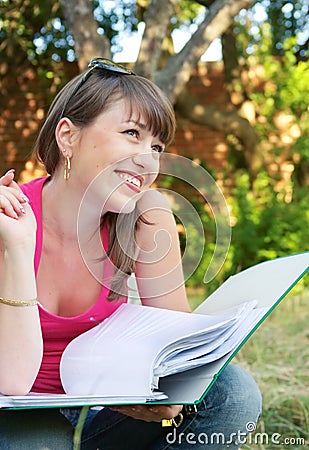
(64, 213)
(70, 226)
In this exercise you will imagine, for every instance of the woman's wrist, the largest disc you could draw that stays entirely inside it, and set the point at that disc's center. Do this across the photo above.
(11, 302)
(18, 274)
(24, 248)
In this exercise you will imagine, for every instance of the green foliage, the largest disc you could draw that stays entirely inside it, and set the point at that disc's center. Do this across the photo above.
(187, 12)
(245, 231)
(34, 32)
(284, 85)
(268, 224)
(287, 19)
(22, 21)
(280, 97)
(283, 20)
(291, 78)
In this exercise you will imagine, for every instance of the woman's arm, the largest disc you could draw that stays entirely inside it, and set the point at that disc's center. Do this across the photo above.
(20, 330)
(159, 273)
(159, 279)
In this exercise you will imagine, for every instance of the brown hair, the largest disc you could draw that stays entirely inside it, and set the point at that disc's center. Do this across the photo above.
(95, 96)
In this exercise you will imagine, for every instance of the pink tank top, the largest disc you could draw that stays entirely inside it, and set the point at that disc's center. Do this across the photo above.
(59, 331)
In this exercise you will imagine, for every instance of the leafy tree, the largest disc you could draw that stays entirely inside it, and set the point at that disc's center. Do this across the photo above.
(37, 34)
(40, 34)
(287, 18)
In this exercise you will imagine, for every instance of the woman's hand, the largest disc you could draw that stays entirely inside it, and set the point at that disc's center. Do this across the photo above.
(12, 198)
(17, 221)
(149, 413)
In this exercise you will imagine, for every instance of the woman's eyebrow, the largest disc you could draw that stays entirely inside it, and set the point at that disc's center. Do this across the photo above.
(143, 126)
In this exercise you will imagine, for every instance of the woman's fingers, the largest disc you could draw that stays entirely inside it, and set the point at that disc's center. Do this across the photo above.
(7, 180)
(149, 413)
(12, 199)
(11, 203)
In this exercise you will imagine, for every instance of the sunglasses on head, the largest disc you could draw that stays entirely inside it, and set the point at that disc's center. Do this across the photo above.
(98, 63)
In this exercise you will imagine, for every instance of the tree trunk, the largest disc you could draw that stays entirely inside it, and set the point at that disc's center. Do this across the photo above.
(81, 23)
(157, 21)
(232, 70)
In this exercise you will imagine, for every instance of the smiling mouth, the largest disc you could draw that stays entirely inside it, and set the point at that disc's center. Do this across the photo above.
(136, 181)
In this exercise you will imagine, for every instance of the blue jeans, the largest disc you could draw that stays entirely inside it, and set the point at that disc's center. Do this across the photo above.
(35, 429)
(229, 411)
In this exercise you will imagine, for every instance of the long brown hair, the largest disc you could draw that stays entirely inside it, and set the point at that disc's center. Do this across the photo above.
(95, 96)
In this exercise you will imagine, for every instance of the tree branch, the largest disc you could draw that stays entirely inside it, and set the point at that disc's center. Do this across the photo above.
(177, 72)
(157, 20)
(225, 121)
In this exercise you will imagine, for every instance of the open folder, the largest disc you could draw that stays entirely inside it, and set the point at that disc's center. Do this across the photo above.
(143, 354)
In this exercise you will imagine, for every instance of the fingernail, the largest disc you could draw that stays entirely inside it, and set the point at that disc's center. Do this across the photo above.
(22, 209)
(24, 197)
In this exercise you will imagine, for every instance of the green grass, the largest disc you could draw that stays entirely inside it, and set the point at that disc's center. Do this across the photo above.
(277, 355)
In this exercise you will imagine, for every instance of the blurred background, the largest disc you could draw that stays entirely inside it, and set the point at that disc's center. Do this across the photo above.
(237, 73)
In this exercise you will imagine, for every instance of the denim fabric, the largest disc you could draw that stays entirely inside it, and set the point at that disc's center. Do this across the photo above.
(41, 429)
(230, 409)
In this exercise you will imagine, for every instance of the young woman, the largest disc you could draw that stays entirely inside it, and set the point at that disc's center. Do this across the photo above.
(69, 242)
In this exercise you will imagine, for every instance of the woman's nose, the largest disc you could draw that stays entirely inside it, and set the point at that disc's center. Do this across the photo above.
(147, 160)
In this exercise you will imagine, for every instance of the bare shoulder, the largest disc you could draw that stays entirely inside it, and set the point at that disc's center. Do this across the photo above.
(158, 216)
(152, 200)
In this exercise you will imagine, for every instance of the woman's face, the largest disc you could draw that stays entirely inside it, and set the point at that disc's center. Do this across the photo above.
(116, 158)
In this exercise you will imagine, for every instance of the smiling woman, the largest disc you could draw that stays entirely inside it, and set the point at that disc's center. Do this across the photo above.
(72, 239)
(96, 94)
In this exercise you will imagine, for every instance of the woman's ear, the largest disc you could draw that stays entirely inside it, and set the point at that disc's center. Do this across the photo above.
(66, 136)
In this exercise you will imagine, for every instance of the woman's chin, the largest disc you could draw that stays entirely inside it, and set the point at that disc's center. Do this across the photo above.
(121, 207)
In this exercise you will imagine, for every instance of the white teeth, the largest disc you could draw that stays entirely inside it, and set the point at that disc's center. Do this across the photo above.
(130, 178)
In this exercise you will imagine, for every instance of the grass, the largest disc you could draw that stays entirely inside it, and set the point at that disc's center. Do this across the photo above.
(277, 355)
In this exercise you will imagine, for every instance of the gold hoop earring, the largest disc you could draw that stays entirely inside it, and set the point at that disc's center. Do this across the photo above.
(67, 168)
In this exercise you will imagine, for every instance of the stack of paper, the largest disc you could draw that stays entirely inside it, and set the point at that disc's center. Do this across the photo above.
(137, 345)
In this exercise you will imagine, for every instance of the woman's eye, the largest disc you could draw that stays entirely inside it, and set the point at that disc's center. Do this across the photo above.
(132, 132)
(158, 148)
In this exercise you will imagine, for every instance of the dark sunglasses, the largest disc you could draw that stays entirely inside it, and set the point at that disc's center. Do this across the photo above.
(98, 63)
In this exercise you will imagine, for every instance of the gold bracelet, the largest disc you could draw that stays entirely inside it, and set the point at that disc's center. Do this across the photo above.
(6, 301)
